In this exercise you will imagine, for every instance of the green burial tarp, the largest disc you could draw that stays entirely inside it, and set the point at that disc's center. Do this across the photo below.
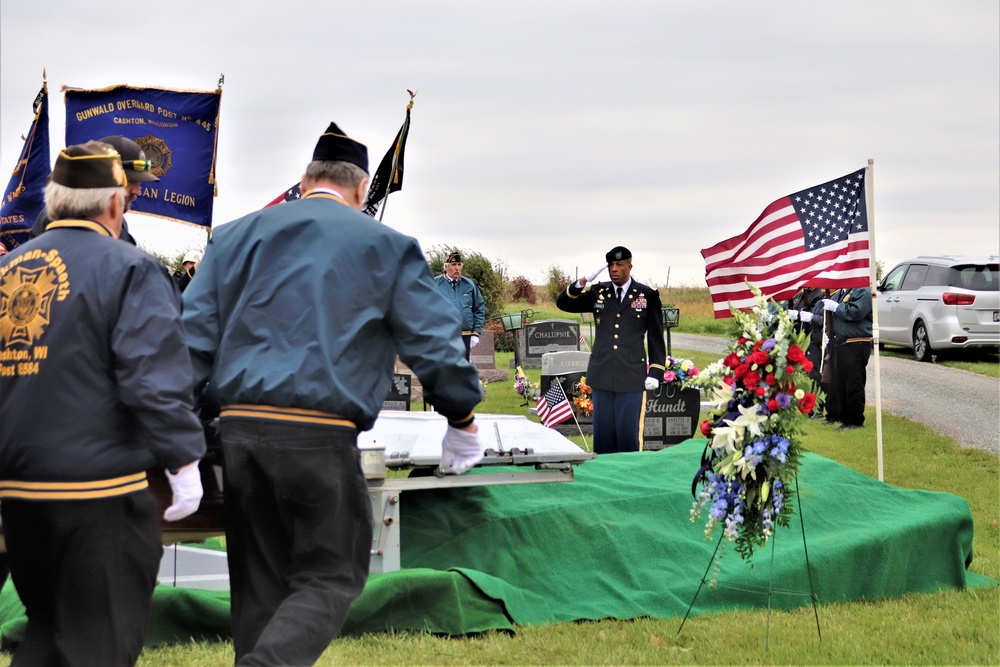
(618, 542)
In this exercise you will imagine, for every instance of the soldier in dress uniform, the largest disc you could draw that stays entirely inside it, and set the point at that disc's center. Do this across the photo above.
(627, 318)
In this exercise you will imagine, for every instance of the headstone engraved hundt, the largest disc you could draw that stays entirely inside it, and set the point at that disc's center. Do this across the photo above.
(671, 416)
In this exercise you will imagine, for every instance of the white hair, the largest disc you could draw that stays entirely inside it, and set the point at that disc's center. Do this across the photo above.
(64, 203)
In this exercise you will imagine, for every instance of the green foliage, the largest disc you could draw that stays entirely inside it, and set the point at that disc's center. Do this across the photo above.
(556, 282)
(477, 267)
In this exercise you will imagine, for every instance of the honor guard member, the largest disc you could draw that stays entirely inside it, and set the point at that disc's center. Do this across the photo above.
(296, 320)
(467, 298)
(138, 170)
(95, 389)
(626, 314)
(851, 311)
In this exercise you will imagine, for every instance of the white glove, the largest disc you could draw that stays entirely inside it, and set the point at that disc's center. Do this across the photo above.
(793, 314)
(805, 316)
(651, 384)
(460, 450)
(474, 341)
(595, 273)
(187, 492)
(830, 304)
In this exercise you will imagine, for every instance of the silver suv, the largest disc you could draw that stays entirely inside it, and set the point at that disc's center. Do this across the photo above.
(938, 303)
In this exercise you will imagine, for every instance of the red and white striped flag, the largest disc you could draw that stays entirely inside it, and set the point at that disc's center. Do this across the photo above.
(817, 238)
(554, 408)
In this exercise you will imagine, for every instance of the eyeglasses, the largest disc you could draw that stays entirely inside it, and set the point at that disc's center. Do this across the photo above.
(138, 165)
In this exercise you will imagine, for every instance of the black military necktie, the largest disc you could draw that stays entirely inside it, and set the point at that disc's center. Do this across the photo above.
(618, 293)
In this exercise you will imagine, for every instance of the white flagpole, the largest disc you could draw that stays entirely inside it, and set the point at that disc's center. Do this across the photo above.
(870, 209)
(573, 412)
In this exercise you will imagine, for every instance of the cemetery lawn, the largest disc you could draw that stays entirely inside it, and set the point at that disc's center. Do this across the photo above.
(948, 627)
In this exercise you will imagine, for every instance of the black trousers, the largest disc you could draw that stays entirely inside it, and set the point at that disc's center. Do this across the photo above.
(467, 341)
(85, 571)
(298, 537)
(849, 379)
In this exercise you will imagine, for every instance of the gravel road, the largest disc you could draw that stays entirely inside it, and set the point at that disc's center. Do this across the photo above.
(953, 402)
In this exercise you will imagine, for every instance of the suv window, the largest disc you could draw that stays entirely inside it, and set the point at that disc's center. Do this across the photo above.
(893, 279)
(914, 277)
(979, 277)
(937, 276)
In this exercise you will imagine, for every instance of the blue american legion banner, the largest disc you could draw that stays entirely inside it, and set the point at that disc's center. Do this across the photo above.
(24, 197)
(177, 130)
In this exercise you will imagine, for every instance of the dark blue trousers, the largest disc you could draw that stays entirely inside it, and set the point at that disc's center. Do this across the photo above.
(616, 420)
(298, 537)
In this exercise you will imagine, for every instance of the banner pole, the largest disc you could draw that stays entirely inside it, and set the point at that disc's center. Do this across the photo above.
(395, 155)
(870, 206)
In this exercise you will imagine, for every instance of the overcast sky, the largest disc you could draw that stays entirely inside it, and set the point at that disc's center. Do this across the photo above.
(545, 133)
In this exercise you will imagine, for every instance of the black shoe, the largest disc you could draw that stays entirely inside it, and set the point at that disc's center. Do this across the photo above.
(830, 422)
(848, 427)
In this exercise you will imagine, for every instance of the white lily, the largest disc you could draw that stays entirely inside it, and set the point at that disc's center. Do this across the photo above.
(750, 418)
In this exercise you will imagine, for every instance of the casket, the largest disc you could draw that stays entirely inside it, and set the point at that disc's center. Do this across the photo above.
(208, 520)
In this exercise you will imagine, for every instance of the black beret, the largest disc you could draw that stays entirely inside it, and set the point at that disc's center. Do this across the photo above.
(454, 258)
(336, 146)
(618, 253)
(90, 165)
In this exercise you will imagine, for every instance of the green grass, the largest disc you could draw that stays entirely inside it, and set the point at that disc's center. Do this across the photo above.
(948, 627)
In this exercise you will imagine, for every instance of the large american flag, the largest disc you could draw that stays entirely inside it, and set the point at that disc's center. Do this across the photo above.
(817, 238)
(554, 408)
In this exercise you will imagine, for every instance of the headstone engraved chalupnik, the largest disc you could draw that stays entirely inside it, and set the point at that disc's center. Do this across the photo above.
(538, 338)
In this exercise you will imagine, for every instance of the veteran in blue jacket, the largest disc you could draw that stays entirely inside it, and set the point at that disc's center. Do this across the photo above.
(628, 318)
(295, 318)
(95, 389)
(467, 299)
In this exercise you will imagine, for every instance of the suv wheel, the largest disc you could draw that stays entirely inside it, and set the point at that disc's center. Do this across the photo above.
(921, 345)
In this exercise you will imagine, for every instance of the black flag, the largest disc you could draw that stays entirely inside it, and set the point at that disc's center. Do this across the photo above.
(388, 177)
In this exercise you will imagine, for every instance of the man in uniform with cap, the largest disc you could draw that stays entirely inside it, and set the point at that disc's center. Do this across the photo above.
(466, 297)
(296, 321)
(95, 389)
(626, 313)
(138, 170)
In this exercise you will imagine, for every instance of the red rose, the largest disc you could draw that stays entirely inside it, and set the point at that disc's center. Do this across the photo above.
(731, 361)
(706, 428)
(770, 379)
(772, 405)
(760, 357)
(741, 370)
(751, 379)
(756, 346)
(741, 340)
(729, 379)
(761, 391)
(790, 370)
(807, 402)
(795, 354)
(807, 365)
